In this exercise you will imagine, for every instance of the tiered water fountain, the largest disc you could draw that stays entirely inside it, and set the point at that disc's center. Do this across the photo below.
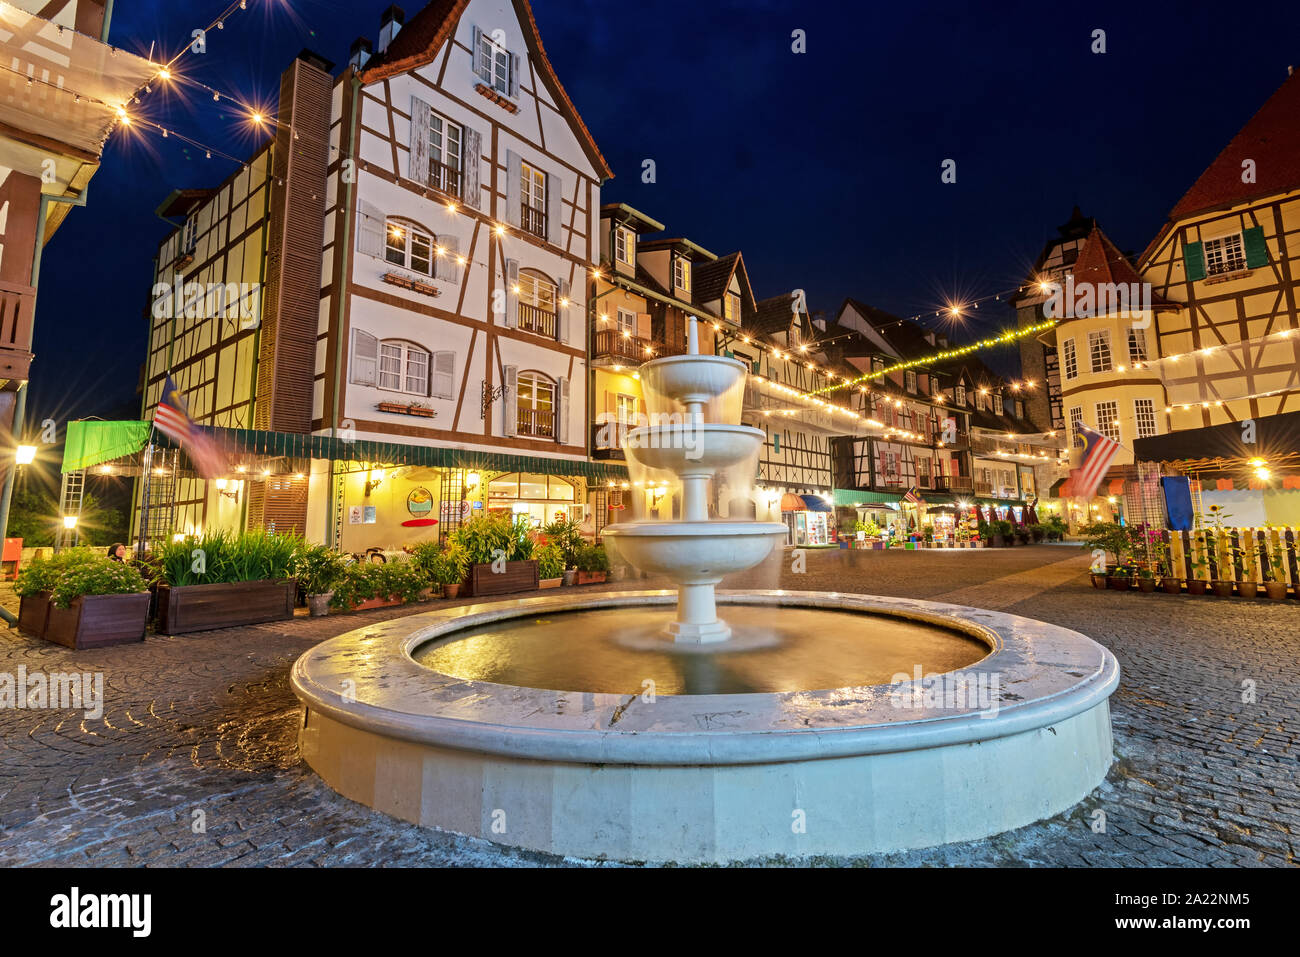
(641, 725)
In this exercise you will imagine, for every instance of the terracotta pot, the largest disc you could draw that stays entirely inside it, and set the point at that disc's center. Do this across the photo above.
(1118, 582)
(1275, 590)
(1147, 585)
(1196, 587)
(1098, 581)
(451, 591)
(1172, 586)
(1248, 589)
(550, 583)
(1222, 589)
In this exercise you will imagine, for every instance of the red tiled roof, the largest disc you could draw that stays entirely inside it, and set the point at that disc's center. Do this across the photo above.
(1272, 139)
(1100, 262)
(418, 42)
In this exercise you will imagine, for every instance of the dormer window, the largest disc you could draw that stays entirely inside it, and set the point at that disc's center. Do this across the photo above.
(909, 381)
(961, 395)
(731, 308)
(997, 404)
(625, 245)
(681, 274)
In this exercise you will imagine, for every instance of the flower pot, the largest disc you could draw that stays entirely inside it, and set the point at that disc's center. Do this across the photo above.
(1248, 589)
(1196, 586)
(1171, 585)
(1119, 582)
(1098, 580)
(997, 541)
(590, 578)
(1147, 585)
(1222, 589)
(319, 605)
(1275, 590)
(452, 590)
(569, 575)
(550, 583)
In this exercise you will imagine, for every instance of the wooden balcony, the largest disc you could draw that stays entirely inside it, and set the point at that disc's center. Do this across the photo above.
(16, 302)
(538, 423)
(606, 442)
(984, 488)
(532, 220)
(954, 483)
(629, 350)
(538, 320)
(444, 178)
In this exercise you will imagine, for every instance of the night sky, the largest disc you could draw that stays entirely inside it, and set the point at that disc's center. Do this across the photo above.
(822, 167)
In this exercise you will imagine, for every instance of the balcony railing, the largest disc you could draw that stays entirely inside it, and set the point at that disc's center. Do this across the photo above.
(629, 349)
(533, 220)
(537, 319)
(539, 423)
(954, 483)
(984, 488)
(607, 440)
(15, 331)
(444, 178)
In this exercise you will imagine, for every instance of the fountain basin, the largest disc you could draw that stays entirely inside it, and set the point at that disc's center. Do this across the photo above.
(694, 552)
(692, 378)
(713, 777)
(693, 448)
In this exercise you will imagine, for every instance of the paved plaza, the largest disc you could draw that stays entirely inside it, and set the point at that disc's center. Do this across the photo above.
(195, 763)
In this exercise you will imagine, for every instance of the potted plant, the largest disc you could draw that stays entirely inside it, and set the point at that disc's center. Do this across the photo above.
(221, 580)
(1275, 584)
(567, 534)
(1146, 579)
(550, 566)
(498, 550)
(1037, 532)
(318, 569)
(93, 601)
(593, 564)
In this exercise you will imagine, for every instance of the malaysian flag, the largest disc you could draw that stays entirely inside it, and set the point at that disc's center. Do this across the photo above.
(1098, 452)
(172, 419)
(911, 498)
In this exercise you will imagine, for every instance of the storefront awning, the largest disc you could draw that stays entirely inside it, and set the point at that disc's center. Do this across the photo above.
(815, 503)
(852, 497)
(104, 441)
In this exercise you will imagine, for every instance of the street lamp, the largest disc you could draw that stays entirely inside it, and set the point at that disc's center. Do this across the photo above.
(69, 522)
(25, 455)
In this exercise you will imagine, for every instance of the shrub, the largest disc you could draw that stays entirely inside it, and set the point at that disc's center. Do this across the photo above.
(228, 557)
(567, 534)
(483, 537)
(593, 558)
(318, 568)
(550, 561)
(78, 572)
(362, 581)
(1110, 537)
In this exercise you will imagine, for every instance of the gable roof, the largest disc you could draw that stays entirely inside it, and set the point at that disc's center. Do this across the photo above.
(711, 279)
(905, 337)
(418, 43)
(1272, 139)
(1100, 262)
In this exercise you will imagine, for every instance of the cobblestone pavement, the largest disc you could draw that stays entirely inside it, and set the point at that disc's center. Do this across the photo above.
(204, 726)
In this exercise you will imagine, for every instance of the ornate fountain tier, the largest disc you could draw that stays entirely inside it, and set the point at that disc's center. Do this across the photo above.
(695, 553)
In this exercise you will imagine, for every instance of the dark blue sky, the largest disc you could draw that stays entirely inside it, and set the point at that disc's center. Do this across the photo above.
(823, 167)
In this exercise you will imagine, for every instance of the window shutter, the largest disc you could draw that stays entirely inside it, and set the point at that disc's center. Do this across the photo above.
(445, 266)
(562, 313)
(512, 297)
(365, 358)
(419, 170)
(1194, 261)
(643, 325)
(554, 208)
(370, 229)
(444, 375)
(514, 76)
(514, 189)
(1256, 247)
(510, 402)
(562, 410)
(476, 57)
(471, 163)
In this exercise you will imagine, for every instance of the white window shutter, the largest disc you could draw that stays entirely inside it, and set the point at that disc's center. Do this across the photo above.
(514, 188)
(365, 358)
(419, 170)
(510, 402)
(370, 229)
(562, 410)
(445, 266)
(476, 58)
(512, 297)
(554, 208)
(444, 375)
(514, 76)
(562, 313)
(471, 162)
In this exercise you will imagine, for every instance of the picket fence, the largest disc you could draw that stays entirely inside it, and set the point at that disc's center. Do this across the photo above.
(1230, 554)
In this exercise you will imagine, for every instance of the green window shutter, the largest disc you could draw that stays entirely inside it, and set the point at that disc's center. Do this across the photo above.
(1194, 261)
(1256, 247)
(757, 370)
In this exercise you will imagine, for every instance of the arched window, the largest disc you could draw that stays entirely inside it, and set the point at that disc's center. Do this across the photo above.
(535, 402)
(537, 302)
(409, 247)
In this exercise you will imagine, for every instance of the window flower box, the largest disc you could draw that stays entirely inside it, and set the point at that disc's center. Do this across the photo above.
(499, 99)
(413, 283)
(402, 408)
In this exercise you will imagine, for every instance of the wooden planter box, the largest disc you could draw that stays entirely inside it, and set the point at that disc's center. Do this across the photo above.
(33, 614)
(518, 576)
(370, 603)
(590, 578)
(97, 621)
(208, 607)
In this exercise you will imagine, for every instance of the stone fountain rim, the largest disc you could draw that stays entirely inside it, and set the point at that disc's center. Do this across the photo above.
(1047, 673)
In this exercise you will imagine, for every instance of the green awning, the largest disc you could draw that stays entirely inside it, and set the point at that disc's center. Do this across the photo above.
(90, 443)
(851, 497)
